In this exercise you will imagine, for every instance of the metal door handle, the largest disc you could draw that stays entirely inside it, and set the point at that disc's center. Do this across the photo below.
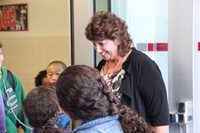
(183, 116)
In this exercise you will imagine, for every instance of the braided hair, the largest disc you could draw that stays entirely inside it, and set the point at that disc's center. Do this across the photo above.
(85, 95)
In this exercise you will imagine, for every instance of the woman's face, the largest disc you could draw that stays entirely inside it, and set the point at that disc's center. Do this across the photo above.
(107, 48)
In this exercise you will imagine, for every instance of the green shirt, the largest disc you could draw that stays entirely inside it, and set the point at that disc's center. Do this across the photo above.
(12, 99)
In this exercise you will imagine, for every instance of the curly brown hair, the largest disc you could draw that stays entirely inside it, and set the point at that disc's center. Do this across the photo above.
(85, 95)
(106, 25)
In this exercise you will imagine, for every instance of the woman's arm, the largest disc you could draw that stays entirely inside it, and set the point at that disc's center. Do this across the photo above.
(161, 129)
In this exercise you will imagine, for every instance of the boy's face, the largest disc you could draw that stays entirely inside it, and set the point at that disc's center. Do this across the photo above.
(1, 57)
(53, 72)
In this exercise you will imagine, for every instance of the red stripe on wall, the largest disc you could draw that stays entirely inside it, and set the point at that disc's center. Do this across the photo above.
(161, 46)
(150, 46)
(198, 46)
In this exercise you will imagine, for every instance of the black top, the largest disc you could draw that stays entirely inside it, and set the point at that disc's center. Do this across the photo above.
(143, 88)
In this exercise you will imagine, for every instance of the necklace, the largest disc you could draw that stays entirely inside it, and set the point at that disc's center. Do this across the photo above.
(114, 70)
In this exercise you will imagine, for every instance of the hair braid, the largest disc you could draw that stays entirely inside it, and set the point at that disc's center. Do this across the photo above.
(132, 122)
(113, 101)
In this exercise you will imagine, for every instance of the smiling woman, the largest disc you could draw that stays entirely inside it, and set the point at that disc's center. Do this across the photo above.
(135, 79)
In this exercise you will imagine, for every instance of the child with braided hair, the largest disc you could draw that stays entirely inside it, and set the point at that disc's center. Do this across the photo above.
(84, 95)
(42, 110)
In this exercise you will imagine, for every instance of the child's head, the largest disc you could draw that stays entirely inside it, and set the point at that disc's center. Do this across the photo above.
(41, 78)
(41, 107)
(54, 69)
(84, 94)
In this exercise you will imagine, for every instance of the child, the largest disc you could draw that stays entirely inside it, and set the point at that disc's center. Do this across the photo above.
(13, 94)
(54, 69)
(83, 94)
(42, 109)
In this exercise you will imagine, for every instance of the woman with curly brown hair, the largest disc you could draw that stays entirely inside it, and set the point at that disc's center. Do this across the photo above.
(84, 95)
(135, 79)
(42, 110)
